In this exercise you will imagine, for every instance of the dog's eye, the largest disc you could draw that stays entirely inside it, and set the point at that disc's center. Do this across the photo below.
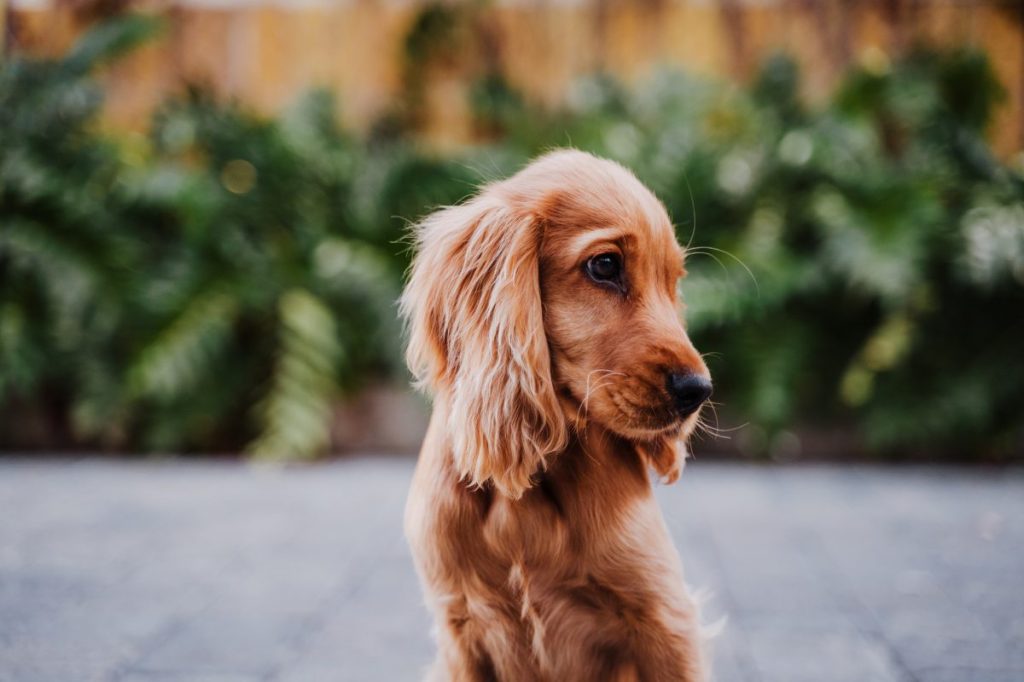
(605, 267)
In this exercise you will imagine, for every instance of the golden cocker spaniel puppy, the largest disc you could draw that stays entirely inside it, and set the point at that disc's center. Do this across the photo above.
(544, 319)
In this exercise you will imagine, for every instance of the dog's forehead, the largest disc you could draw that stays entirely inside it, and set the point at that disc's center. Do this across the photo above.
(638, 217)
(632, 206)
(586, 199)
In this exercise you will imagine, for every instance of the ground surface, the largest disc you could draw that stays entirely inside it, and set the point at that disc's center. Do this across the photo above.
(217, 572)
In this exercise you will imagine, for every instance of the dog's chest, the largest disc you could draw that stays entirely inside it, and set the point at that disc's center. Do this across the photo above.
(531, 529)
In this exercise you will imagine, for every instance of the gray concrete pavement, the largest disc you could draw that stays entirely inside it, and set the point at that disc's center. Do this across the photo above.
(216, 572)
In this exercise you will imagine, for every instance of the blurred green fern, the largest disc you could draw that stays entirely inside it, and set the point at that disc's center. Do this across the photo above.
(296, 410)
(152, 292)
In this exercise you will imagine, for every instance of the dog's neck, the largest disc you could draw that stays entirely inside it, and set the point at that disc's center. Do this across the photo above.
(594, 457)
(586, 495)
(597, 460)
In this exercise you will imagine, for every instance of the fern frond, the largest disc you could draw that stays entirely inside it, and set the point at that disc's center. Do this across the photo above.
(994, 241)
(295, 414)
(110, 40)
(70, 279)
(180, 356)
(22, 361)
(357, 269)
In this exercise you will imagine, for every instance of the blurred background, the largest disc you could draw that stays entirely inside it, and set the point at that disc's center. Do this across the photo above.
(204, 208)
(204, 214)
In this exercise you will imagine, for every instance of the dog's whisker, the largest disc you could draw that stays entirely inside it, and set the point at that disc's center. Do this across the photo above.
(714, 412)
(697, 251)
(706, 251)
(718, 431)
(585, 403)
(714, 405)
(702, 427)
(693, 209)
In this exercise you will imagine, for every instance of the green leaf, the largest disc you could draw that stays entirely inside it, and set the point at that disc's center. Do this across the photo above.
(110, 40)
(295, 413)
(184, 353)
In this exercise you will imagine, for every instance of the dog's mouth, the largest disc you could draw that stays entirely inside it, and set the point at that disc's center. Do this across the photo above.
(635, 409)
(651, 420)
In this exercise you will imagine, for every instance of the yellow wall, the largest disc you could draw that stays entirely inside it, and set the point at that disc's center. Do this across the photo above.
(266, 55)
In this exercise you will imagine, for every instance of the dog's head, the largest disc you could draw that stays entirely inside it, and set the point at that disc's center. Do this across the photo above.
(546, 303)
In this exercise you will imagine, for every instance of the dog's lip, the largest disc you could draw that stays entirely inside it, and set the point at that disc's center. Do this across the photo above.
(674, 430)
(650, 426)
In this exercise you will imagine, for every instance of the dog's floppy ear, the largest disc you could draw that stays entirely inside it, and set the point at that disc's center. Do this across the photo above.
(666, 454)
(476, 338)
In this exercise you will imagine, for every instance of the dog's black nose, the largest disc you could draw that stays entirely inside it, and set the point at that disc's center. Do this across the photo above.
(688, 391)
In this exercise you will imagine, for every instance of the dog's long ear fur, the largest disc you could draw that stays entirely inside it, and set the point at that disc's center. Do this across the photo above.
(667, 455)
(476, 339)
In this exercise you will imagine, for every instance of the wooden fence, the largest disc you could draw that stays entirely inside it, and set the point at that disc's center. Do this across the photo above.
(266, 53)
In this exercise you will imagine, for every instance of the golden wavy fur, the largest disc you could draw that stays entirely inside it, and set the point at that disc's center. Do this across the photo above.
(543, 317)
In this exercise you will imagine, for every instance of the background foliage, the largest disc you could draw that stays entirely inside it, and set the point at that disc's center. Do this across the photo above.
(220, 284)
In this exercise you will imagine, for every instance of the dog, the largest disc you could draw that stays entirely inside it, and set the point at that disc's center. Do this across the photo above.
(544, 319)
